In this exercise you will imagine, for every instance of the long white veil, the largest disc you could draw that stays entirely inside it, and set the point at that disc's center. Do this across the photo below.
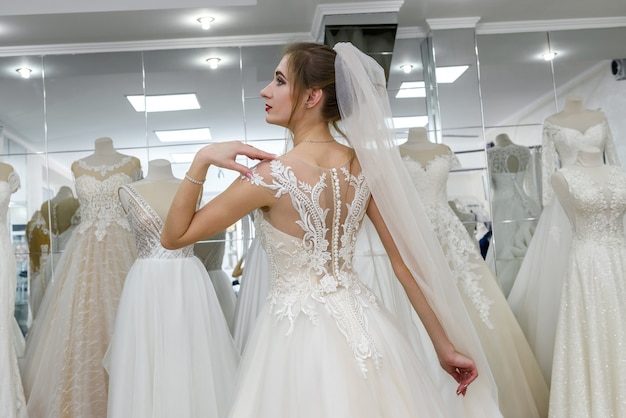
(366, 120)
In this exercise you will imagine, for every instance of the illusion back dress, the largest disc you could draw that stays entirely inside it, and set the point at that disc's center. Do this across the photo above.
(589, 373)
(62, 368)
(12, 403)
(535, 295)
(522, 390)
(321, 346)
(171, 354)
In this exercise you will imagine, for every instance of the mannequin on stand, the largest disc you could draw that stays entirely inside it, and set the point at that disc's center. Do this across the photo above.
(536, 293)
(170, 335)
(419, 147)
(589, 368)
(77, 313)
(509, 356)
(12, 403)
(512, 209)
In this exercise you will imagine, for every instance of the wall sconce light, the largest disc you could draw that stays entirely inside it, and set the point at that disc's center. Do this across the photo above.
(213, 62)
(549, 56)
(206, 21)
(24, 72)
(407, 68)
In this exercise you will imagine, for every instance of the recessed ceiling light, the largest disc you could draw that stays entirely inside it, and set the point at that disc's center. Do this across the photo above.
(213, 62)
(24, 72)
(549, 56)
(449, 74)
(184, 135)
(410, 122)
(410, 89)
(206, 21)
(164, 102)
(407, 68)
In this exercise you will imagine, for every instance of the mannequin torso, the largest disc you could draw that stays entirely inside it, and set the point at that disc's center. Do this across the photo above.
(157, 188)
(106, 157)
(60, 210)
(420, 149)
(5, 170)
(574, 115)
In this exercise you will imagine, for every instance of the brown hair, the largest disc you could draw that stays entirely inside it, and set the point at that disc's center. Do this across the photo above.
(312, 66)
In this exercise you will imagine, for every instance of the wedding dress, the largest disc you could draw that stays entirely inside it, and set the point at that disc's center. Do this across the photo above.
(535, 295)
(514, 211)
(522, 389)
(171, 352)
(322, 346)
(589, 373)
(62, 369)
(12, 403)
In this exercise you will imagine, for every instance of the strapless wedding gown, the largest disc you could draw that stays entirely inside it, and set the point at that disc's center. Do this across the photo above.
(536, 293)
(12, 403)
(522, 390)
(589, 373)
(171, 353)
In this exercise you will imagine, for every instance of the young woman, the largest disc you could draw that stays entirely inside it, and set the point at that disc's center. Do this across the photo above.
(323, 347)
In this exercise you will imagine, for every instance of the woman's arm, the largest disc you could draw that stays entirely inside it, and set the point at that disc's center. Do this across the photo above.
(184, 225)
(460, 367)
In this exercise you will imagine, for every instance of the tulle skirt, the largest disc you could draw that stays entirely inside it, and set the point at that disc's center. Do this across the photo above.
(171, 354)
(225, 294)
(62, 368)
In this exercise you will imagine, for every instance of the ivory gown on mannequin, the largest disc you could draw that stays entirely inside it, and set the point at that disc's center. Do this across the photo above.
(62, 369)
(522, 390)
(171, 353)
(12, 403)
(536, 293)
(589, 373)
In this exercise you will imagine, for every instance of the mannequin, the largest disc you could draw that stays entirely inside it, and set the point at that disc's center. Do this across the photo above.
(170, 336)
(5, 170)
(574, 115)
(588, 373)
(77, 313)
(419, 148)
(509, 356)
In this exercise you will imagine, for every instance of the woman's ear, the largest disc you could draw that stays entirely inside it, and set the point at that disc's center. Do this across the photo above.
(314, 96)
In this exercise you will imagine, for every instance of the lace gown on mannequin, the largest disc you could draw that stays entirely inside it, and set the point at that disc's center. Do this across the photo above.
(589, 374)
(536, 293)
(522, 389)
(211, 253)
(322, 331)
(511, 203)
(12, 404)
(171, 354)
(62, 369)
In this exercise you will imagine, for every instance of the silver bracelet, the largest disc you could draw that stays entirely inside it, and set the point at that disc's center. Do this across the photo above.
(194, 181)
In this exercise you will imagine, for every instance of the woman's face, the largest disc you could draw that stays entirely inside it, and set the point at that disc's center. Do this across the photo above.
(277, 95)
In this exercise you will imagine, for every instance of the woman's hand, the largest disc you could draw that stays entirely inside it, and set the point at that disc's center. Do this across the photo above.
(461, 368)
(224, 154)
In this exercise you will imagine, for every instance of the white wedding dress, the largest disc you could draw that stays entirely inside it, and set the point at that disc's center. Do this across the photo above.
(321, 346)
(535, 295)
(12, 403)
(522, 390)
(62, 369)
(171, 354)
(589, 373)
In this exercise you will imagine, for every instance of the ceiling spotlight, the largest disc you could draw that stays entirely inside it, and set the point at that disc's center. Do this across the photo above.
(213, 62)
(206, 22)
(549, 56)
(406, 68)
(24, 72)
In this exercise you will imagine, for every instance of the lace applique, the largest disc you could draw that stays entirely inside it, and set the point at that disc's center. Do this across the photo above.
(103, 169)
(311, 269)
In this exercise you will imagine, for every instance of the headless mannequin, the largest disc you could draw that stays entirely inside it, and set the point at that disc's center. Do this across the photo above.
(574, 115)
(589, 161)
(104, 153)
(514, 152)
(157, 188)
(62, 207)
(5, 170)
(420, 149)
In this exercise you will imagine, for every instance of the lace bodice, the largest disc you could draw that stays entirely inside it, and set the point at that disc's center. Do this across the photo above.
(561, 144)
(147, 226)
(598, 208)
(7, 188)
(460, 249)
(309, 237)
(96, 188)
(508, 158)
